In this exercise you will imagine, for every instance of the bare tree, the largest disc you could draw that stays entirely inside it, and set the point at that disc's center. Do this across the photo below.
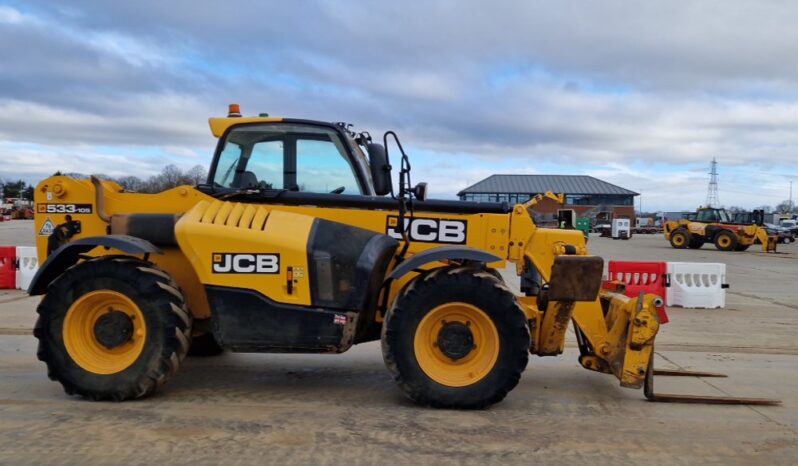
(170, 177)
(785, 207)
(132, 183)
(196, 175)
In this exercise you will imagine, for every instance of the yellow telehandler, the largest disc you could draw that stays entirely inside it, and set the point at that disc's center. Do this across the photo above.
(711, 225)
(299, 242)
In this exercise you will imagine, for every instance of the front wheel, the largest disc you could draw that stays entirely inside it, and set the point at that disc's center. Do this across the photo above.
(456, 338)
(112, 329)
(725, 241)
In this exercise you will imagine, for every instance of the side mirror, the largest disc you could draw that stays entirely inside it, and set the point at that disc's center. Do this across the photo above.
(380, 169)
(759, 217)
(420, 191)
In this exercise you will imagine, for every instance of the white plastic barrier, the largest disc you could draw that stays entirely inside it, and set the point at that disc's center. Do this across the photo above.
(28, 265)
(696, 285)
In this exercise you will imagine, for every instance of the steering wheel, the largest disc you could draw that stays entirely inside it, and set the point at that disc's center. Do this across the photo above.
(338, 190)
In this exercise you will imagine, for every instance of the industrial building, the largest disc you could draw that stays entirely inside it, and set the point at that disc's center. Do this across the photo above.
(588, 196)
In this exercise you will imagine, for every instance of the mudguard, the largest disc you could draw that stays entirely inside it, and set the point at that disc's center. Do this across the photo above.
(68, 254)
(441, 253)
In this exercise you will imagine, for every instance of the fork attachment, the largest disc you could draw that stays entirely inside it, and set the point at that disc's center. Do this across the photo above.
(648, 390)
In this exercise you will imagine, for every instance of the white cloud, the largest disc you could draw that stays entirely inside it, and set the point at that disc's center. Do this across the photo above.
(9, 15)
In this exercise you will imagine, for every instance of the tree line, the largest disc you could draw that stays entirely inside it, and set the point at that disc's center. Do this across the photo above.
(170, 177)
(15, 189)
(783, 207)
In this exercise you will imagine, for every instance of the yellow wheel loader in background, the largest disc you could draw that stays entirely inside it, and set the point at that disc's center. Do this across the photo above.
(300, 243)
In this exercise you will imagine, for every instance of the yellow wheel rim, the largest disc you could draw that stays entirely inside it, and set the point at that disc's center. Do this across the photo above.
(678, 240)
(724, 241)
(81, 338)
(461, 370)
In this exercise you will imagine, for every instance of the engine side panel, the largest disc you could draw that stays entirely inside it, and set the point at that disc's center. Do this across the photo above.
(246, 246)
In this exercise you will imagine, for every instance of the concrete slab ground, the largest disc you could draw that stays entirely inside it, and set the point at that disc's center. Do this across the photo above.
(17, 233)
(344, 409)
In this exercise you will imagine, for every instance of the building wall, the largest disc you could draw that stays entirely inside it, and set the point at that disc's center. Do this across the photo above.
(549, 207)
(546, 209)
(570, 199)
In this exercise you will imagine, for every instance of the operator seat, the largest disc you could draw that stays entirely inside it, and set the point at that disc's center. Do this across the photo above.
(247, 180)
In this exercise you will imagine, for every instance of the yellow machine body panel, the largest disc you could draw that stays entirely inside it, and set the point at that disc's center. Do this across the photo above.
(248, 246)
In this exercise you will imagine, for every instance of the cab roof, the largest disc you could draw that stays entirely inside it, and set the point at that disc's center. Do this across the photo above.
(220, 125)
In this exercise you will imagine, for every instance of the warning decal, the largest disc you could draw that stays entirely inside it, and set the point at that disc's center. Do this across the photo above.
(47, 228)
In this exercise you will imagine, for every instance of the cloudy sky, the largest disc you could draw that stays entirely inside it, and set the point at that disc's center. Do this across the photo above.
(641, 94)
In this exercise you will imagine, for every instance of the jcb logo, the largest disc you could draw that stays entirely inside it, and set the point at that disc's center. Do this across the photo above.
(226, 262)
(429, 230)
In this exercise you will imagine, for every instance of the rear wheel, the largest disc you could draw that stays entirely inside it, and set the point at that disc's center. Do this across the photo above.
(112, 329)
(456, 338)
(679, 238)
(725, 241)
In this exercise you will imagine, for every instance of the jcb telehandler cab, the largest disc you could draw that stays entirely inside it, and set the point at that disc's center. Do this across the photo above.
(299, 242)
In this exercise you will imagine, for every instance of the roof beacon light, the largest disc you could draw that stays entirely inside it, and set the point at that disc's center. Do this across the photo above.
(233, 110)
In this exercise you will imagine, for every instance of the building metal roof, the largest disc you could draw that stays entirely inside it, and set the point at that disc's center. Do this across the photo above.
(535, 184)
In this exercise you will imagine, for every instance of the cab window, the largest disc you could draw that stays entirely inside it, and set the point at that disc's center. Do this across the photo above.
(708, 215)
(321, 169)
(285, 156)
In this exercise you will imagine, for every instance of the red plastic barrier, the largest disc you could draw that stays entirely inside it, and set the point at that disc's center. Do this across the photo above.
(8, 273)
(648, 277)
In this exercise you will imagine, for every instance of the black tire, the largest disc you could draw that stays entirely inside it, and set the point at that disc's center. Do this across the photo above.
(725, 241)
(204, 345)
(696, 242)
(680, 238)
(740, 247)
(166, 319)
(464, 285)
(496, 274)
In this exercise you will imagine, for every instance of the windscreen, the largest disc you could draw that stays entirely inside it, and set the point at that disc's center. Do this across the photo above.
(285, 156)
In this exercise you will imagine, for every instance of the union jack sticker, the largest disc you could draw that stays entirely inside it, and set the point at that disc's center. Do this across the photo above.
(339, 319)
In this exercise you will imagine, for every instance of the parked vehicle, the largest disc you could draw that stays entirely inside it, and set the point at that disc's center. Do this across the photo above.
(603, 229)
(784, 235)
(791, 225)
